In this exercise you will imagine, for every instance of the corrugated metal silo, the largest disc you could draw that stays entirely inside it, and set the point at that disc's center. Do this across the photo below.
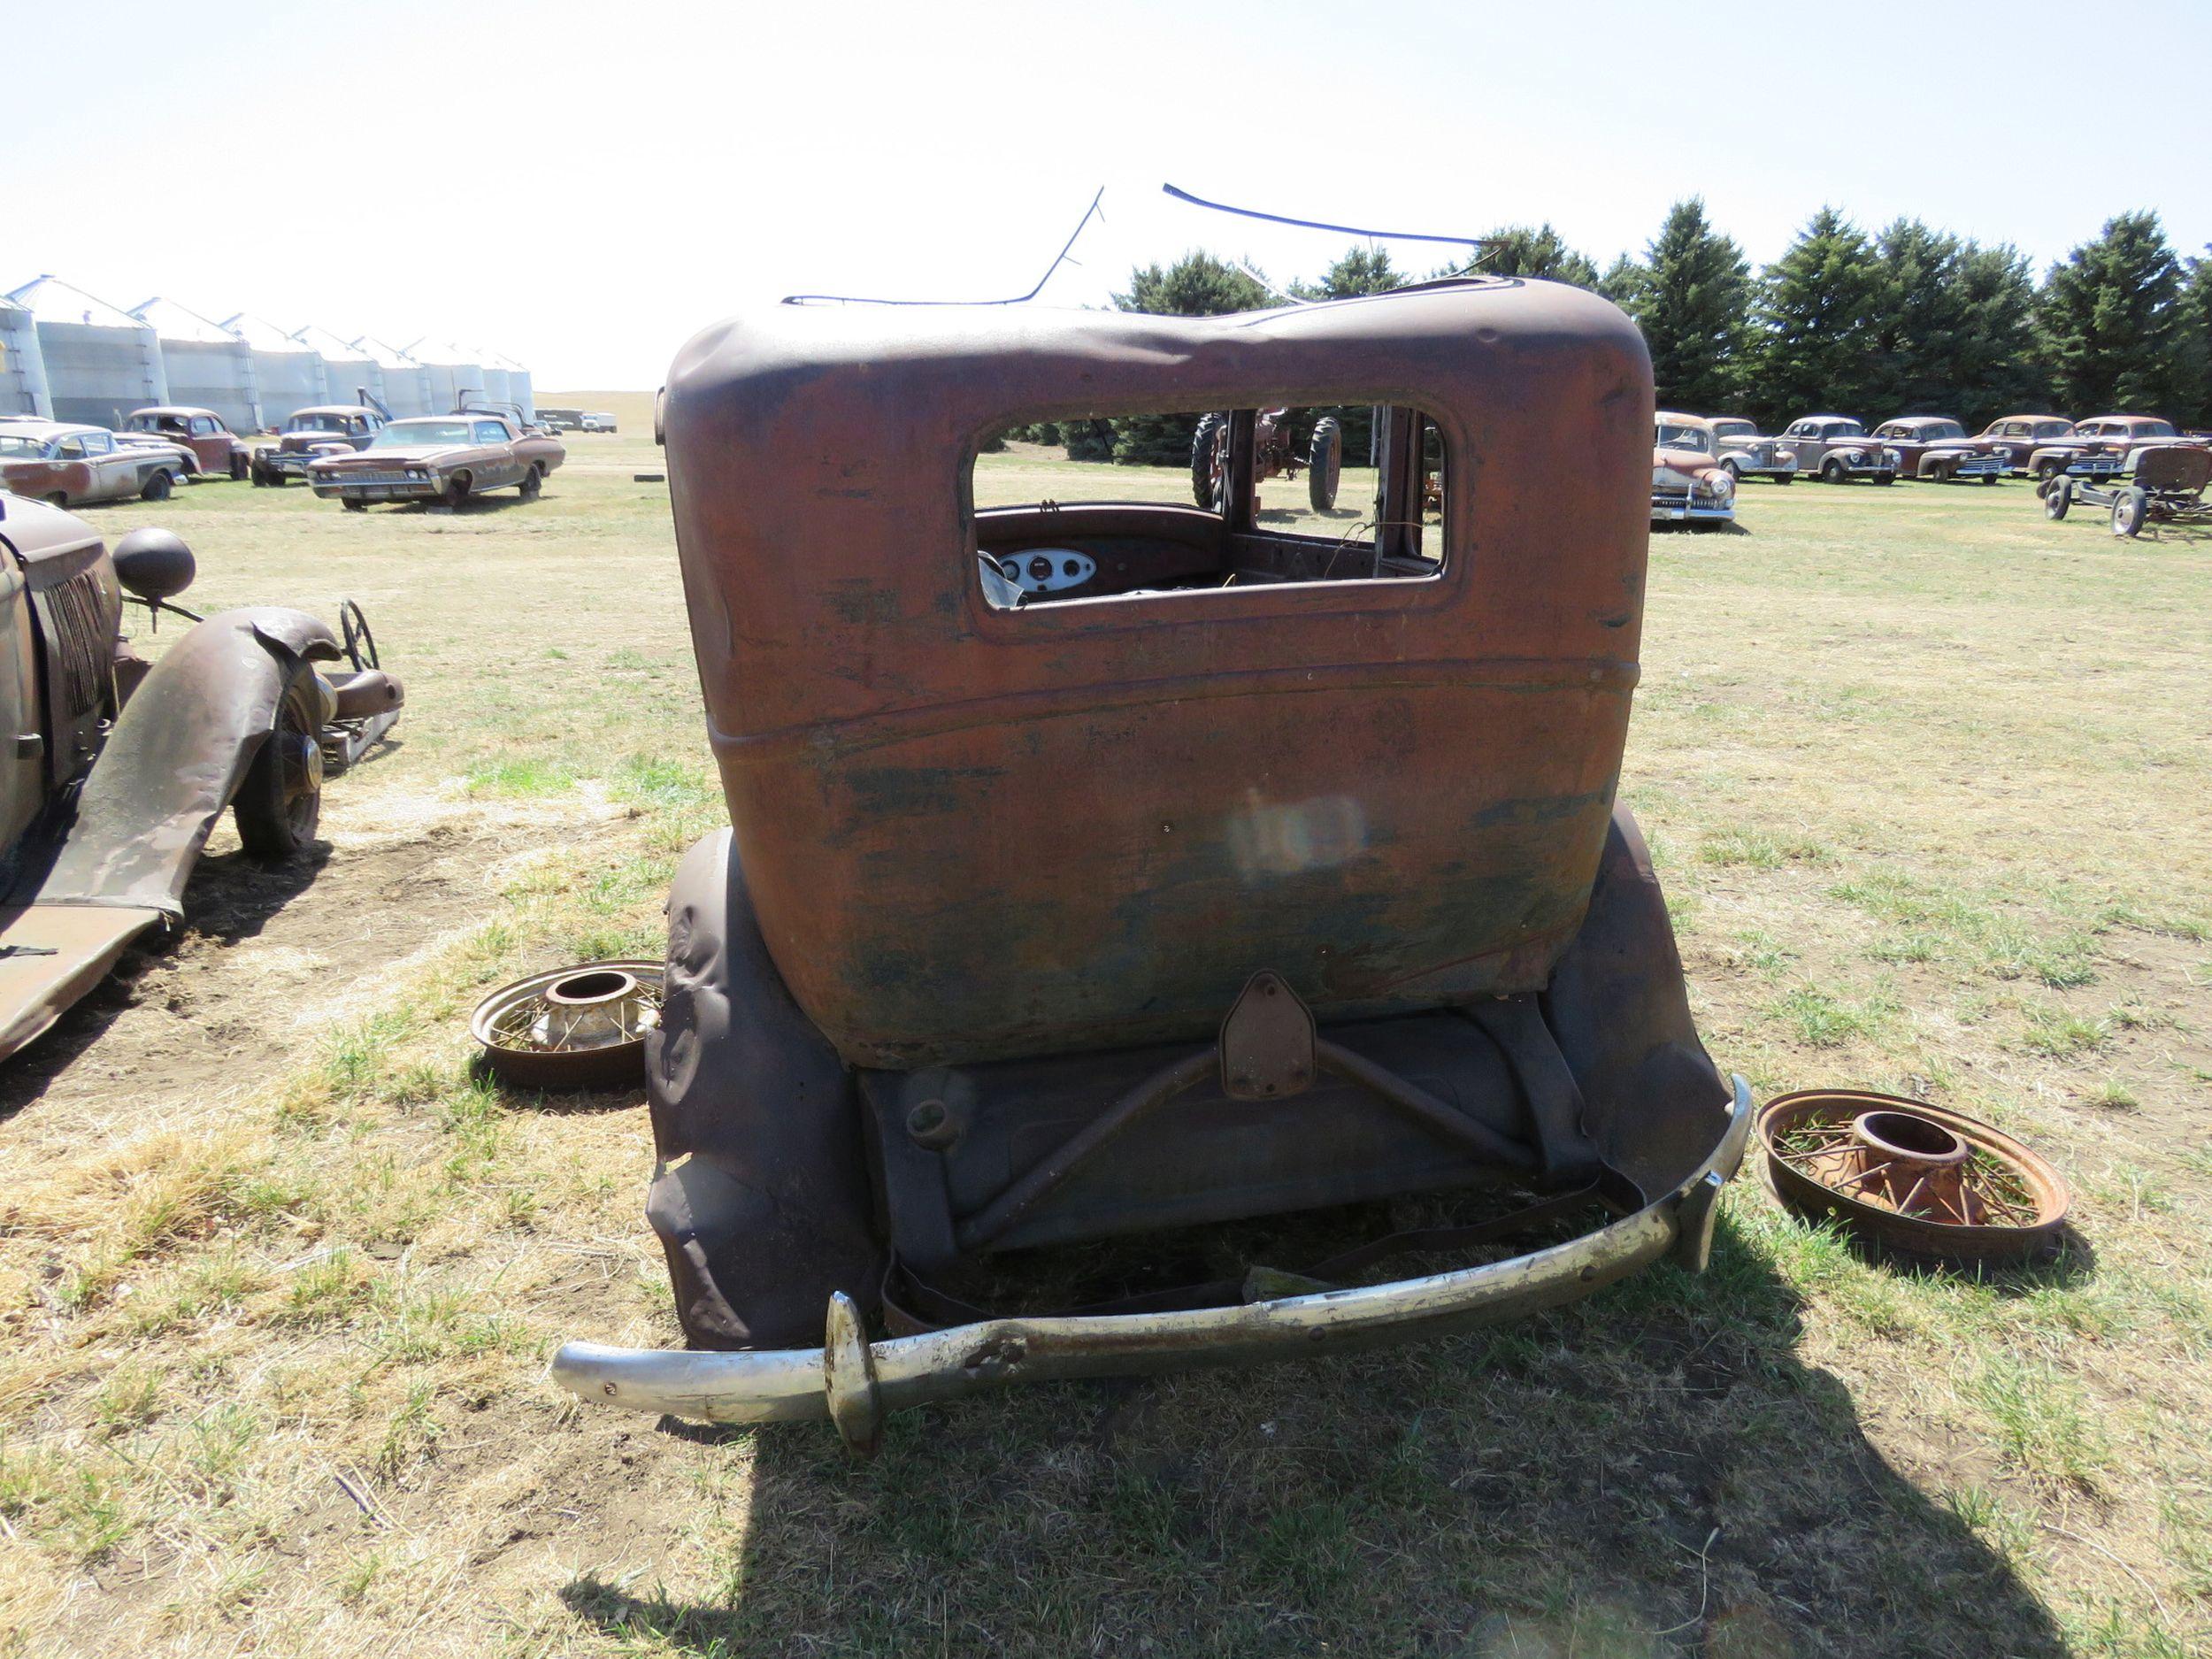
(453, 374)
(406, 382)
(206, 365)
(348, 368)
(22, 369)
(518, 382)
(288, 374)
(496, 390)
(100, 362)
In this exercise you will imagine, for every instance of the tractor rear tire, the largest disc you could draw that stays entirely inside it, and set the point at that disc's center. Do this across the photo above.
(2058, 498)
(2130, 508)
(1205, 481)
(1325, 462)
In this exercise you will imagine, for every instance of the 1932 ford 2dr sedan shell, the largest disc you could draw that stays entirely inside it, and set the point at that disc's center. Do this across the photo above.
(70, 466)
(444, 458)
(1099, 870)
(118, 770)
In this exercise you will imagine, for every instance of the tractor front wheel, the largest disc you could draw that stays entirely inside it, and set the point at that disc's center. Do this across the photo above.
(1208, 462)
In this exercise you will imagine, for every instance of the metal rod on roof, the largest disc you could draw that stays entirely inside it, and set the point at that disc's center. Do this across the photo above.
(1309, 224)
(1059, 259)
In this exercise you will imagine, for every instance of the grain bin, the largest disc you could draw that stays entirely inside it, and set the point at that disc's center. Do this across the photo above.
(100, 362)
(205, 365)
(454, 374)
(348, 368)
(22, 370)
(406, 382)
(288, 374)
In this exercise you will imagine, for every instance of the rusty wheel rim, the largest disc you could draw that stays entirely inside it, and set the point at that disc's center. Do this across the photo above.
(582, 1027)
(1916, 1177)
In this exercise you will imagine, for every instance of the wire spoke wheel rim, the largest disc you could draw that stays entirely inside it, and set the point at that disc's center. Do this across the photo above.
(582, 1027)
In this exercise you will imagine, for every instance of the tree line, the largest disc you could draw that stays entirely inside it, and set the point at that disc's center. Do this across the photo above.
(1908, 320)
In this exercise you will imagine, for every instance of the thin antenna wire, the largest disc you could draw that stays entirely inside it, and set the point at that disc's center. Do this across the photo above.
(1308, 224)
(1059, 259)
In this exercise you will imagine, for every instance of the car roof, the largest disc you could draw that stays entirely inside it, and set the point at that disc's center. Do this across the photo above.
(331, 409)
(1853, 419)
(1920, 420)
(54, 428)
(170, 409)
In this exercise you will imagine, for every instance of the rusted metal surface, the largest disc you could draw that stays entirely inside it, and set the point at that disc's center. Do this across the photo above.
(1914, 1177)
(578, 1027)
(72, 465)
(121, 770)
(1394, 792)
(216, 452)
(855, 1382)
(2162, 484)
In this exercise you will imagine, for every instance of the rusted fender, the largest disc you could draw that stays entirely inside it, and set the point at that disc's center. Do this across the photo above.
(176, 757)
(169, 769)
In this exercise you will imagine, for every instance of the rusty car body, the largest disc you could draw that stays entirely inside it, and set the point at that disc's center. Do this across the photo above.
(1937, 449)
(1836, 449)
(1101, 871)
(65, 464)
(310, 434)
(2165, 485)
(120, 769)
(2017, 437)
(213, 449)
(439, 458)
(1747, 453)
(1691, 482)
(2098, 449)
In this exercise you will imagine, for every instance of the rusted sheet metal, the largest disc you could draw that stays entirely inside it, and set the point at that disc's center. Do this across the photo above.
(50, 955)
(974, 834)
(174, 759)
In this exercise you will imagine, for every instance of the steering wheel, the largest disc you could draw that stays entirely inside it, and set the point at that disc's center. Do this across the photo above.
(360, 643)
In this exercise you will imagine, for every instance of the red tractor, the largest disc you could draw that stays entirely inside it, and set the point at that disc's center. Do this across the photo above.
(1274, 457)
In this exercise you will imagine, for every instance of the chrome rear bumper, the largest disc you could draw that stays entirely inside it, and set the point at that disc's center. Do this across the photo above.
(853, 1382)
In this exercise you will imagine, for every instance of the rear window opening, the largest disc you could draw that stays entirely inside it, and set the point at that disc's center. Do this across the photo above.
(1145, 505)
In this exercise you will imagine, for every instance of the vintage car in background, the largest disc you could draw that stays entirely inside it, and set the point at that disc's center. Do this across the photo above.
(326, 429)
(1836, 449)
(441, 458)
(69, 465)
(2098, 447)
(1691, 482)
(1936, 448)
(2017, 437)
(1744, 452)
(1102, 903)
(119, 769)
(2165, 485)
(215, 450)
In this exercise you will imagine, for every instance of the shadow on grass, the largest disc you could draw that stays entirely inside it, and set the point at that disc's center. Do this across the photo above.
(1652, 1472)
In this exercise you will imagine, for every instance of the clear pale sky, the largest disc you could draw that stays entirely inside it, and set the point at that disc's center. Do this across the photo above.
(583, 185)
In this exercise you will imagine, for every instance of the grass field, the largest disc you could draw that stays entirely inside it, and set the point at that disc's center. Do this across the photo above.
(1930, 783)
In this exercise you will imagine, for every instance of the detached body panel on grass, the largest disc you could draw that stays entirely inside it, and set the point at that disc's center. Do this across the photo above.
(1298, 847)
(121, 770)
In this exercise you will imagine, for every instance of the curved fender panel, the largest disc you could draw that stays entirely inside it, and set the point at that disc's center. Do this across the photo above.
(1617, 1004)
(761, 1193)
(175, 758)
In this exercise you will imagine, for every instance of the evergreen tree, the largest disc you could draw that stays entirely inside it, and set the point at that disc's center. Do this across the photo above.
(2196, 303)
(2112, 324)
(1997, 371)
(1692, 301)
(1516, 250)
(1920, 323)
(1361, 271)
(1816, 324)
(1197, 285)
(1623, 282)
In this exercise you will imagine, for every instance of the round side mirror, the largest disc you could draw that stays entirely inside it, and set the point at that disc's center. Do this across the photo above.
(155, 564)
